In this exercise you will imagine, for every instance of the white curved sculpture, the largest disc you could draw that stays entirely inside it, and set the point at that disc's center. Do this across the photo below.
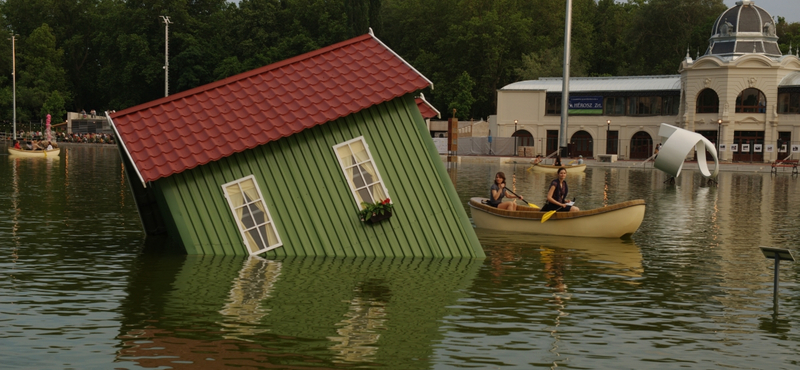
(678, 144)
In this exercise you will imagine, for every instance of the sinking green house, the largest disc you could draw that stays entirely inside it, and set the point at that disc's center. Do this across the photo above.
(278, 160)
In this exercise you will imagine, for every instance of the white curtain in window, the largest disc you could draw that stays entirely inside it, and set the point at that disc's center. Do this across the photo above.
(362, 156)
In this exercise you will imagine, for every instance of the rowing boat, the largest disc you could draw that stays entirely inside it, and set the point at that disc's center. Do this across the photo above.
(612, 221)
(35, 153)
(546, 168)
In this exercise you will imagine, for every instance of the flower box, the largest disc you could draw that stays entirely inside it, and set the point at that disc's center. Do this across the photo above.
(376, 212)
(378, 218)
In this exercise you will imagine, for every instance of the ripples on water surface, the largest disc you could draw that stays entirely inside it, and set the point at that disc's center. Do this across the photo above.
(689, 290)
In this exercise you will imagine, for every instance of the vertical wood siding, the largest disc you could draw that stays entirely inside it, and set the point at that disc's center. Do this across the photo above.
(310, 200)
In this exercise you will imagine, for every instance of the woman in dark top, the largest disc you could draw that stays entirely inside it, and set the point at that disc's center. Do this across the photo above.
(557, 161)
(498, 191)
(557, 195)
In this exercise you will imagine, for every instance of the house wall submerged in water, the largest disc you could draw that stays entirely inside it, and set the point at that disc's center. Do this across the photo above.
(277, 161)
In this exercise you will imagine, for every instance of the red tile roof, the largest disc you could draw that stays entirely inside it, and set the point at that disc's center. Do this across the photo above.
(427, 110)
(210, 122)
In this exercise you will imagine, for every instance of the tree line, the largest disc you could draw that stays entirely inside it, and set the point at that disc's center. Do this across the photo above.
(74, 55)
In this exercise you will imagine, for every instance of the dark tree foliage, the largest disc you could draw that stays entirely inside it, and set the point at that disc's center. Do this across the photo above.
(109, 54)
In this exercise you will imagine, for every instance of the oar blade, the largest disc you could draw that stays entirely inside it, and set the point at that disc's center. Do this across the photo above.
(547, 216)
(533, 206)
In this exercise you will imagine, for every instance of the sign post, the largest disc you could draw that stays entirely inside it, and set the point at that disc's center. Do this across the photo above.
(778, 255)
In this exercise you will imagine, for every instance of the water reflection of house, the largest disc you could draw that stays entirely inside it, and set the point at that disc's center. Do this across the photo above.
(278, 161)
(222, 312)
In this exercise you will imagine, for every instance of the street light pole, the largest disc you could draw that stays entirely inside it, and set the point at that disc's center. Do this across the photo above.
(14, 78)
(166, 53)
(608, 138)
(515, 138)
(719, 139)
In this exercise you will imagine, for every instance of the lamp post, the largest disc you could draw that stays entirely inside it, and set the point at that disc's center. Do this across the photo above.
(14, 83)
(719, 139)
(515, 138)
(166, 54)
(608, 138)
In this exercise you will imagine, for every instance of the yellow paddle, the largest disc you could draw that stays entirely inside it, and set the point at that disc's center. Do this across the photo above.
(551, 213)
(529, 204)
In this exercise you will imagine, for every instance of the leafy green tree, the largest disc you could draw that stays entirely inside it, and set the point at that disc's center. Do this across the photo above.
(40, 73)
(54, 106)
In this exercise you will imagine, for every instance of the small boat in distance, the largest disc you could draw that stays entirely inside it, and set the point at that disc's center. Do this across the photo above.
(547, 168)
(34, 153)
(612, 221)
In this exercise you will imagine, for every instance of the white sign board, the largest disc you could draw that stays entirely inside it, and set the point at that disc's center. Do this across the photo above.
(441, 144)
(757, 148)
(795, 148)
(745, 148)
(770, 148)
(734, 148)
(723, 147)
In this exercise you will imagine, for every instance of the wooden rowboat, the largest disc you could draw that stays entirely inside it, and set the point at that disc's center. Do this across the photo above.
(34, 153)
(546, 168)
(613, 221)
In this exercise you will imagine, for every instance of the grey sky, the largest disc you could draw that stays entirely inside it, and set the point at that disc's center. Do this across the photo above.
(788, 9)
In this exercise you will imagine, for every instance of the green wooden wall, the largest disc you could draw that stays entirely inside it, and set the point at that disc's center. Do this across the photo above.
(311, 203)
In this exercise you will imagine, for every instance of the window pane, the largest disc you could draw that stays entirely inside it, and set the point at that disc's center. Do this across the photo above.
(368, 173)
(258, 215)
(235, 195)
(364, 196)
(247, 219)
(258, 242)
(377, 192)
(249, 187)
(344, 153)
(358, 178)
(359, 151)
(270, 237)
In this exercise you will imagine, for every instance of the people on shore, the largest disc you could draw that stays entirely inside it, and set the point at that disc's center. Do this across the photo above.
(557, 194)
(498, 191)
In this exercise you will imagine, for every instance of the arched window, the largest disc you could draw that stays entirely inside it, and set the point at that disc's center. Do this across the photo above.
(751, 101)
(707, 101)
(523, 137)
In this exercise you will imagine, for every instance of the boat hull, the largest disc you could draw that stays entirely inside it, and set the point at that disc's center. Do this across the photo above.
(34, 153)
(613, 221)
(546, 168)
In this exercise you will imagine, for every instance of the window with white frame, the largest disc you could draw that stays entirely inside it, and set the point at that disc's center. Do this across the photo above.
(359, 169)
(252, 216)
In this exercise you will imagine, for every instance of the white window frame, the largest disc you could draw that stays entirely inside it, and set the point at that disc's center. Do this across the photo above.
(370, 160)
(242, 230)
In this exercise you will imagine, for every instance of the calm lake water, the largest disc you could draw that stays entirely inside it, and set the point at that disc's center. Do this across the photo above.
(690, 290)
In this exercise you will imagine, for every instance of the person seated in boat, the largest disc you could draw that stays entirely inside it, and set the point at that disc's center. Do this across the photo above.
(557, 195)
(16, 145)
(49, 146)
(498, 191)
(536, 160)
(580, 160)
(557, 161)
(29, 145)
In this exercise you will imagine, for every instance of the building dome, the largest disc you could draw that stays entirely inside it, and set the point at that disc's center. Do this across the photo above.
(744, 29)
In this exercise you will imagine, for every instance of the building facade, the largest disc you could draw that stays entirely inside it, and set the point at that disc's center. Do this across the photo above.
(743, 94)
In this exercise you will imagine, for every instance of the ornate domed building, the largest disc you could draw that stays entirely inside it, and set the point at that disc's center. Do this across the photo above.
(743, 94)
